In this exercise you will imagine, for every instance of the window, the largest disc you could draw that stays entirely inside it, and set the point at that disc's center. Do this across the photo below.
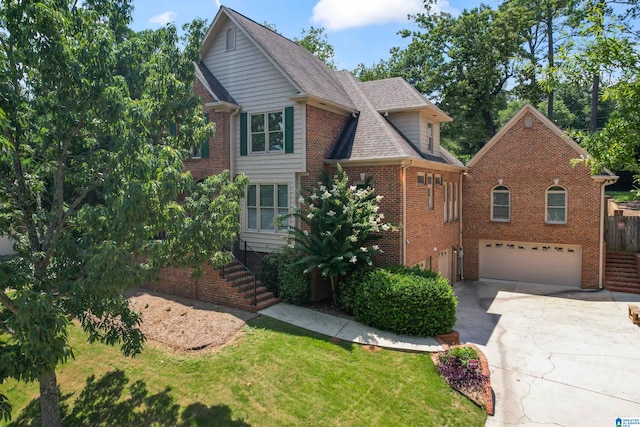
(556, 205)
(231, 39)
(421, 180)
(196, 152)
(264, 203)
(430, 136)
(430, 192)
(200, 151)
(501, 204)
(438, 180)
(450, 201)
(267, 132)
(446, 218)
(455, 201)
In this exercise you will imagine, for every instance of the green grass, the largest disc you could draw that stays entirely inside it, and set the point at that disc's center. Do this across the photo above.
(274, 375)
(623, 196)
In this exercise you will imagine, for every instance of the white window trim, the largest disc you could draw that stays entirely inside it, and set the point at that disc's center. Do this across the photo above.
(430, 191)
(445, 199)
(508, 191)
(546, 204)
(451, 202)
(438, 179)
(258, 206)
(430, 136)
(266, 132)
(230, 39)
(195, 153)
(455, 202)
(424, 179)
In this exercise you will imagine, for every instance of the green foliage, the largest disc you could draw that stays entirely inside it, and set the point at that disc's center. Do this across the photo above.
(315, 41)
(406, 303)
(415, 270)
(90, 175)
(348, 286)
(464, 354)
(286, 278)
(339, 221)
(295, 285)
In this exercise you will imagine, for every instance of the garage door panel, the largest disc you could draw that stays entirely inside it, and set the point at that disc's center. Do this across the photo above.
(531, 262)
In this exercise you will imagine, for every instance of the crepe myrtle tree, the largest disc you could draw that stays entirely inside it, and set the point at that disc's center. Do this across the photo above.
(95, 121)
(338, 224)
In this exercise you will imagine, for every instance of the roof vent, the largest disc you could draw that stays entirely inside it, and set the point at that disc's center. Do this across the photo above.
(528, 122)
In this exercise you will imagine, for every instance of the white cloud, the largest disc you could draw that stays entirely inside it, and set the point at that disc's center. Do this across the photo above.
(164, 18)
(341, 14)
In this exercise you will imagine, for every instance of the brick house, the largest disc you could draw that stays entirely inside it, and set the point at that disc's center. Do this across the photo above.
(282, 116)
(529, 214)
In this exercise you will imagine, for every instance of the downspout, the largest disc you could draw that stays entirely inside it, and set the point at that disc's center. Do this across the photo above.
(404, 211)
(460, 247)
(602, 214)
(232, 134)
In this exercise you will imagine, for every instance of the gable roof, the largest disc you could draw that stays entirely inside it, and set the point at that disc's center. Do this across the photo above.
(530, 109)
(371, 136)
(309, 75)
(396, 94)
(212, 84)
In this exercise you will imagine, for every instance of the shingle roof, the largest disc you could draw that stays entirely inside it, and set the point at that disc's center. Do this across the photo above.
(218, 91)
(371, 136)
(308, 73)
(397, 94)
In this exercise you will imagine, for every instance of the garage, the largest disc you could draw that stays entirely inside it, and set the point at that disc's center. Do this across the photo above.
(551, 263)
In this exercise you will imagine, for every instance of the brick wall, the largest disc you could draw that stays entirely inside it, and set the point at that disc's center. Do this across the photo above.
(210, 287)
(219, 156)
(528, 160)
(323, 129)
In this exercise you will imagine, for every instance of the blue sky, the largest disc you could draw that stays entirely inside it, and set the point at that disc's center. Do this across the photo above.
(361, 31)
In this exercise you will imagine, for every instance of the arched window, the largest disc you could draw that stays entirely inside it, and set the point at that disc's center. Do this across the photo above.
(556, 205)
(231, 39)
(501, 204)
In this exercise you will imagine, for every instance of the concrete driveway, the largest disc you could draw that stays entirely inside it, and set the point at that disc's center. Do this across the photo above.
(558, 355)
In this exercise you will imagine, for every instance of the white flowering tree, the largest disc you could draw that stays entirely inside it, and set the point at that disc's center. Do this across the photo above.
(338, 224)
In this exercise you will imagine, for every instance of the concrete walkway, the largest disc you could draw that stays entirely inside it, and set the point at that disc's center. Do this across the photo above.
(347, 330)
(558, 356)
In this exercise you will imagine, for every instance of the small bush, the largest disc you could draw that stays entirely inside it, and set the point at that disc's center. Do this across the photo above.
(270, 272)
(294, 284)
(286, 280)
(406, 303)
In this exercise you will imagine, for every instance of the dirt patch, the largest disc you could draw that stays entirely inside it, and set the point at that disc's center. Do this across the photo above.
(184, 324)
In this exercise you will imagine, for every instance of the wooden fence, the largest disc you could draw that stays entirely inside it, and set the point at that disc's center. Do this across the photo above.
(622, 233)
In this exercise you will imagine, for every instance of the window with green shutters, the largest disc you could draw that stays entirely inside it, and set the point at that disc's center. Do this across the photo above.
(266, 132)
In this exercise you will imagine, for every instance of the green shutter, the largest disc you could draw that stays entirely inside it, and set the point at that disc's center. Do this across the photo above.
(243, 134)
(205, 144)
(172, 129)
(288, 130)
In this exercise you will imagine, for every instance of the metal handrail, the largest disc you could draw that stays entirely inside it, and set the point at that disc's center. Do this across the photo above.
(250, 260)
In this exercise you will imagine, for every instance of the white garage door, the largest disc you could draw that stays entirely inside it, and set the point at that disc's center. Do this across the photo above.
(531, 262)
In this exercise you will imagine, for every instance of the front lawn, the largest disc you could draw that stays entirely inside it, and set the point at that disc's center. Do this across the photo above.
(274, 375)
(623, 196)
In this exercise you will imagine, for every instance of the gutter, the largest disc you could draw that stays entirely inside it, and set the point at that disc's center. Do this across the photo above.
(404, 211)
(232, 134)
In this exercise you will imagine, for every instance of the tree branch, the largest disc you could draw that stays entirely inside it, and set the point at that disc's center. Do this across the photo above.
(6, 301)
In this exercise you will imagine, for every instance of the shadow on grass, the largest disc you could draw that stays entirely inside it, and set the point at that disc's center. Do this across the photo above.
(265, 322)
(111, 401)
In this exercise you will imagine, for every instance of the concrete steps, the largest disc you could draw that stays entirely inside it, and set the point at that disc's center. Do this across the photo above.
(621, 272)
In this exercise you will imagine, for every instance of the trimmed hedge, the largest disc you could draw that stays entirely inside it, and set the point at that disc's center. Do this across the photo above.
(347, 288)
(286, 279)
(406, 302)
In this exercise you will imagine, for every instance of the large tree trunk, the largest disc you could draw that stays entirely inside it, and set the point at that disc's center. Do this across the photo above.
(550, 58)
(49, 400)
(488, 122)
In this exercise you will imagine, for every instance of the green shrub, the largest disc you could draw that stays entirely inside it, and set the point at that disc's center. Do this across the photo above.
(294, 285)
(270, 272)
(348, 286)
(464, 354)
(415, 270)
(406, 303)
